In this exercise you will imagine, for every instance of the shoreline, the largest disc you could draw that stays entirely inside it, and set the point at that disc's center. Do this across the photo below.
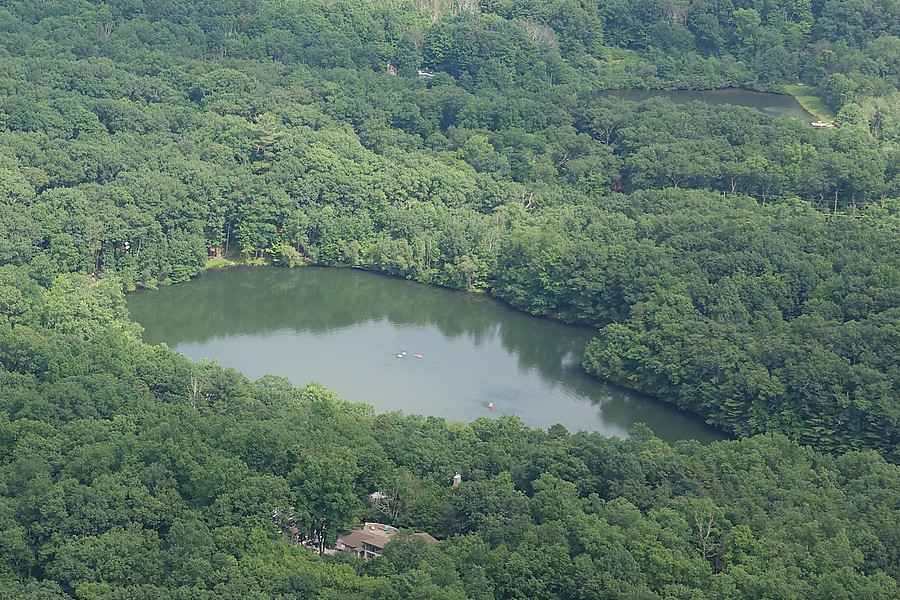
(810, 103)
(808, 111)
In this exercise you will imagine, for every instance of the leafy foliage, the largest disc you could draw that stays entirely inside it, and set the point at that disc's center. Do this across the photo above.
(156, 494)
(737, 265)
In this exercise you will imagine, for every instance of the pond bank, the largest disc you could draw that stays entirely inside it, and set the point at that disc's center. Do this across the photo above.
(766, 102)
(812, 104)
(363, 334)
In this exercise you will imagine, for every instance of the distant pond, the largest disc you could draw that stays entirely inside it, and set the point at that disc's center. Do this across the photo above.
(345, 329)
(771, 104)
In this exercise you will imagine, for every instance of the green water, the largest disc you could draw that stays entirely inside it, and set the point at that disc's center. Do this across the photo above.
(772, 104)
(345, 328)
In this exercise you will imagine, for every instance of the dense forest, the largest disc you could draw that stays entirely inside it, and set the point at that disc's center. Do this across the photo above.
(737, 265)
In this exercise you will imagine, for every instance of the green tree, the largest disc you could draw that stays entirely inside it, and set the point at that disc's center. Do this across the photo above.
(326, 499)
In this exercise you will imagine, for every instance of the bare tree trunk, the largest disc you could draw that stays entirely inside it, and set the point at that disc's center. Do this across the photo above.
(704, 521)
(195, 391)
(227, 238)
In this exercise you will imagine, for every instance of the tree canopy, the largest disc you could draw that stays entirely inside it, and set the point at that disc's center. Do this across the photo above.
(738, 265)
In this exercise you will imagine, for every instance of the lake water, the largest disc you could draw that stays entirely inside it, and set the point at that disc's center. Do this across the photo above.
(345, 328)
(772, 104)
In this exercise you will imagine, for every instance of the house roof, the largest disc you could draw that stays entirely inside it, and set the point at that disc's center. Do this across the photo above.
(427, 537)
(375, 535)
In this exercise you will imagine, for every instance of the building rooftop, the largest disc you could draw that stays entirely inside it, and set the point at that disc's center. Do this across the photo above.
(371, 539)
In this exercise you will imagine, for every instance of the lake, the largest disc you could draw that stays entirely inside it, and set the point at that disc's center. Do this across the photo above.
(773, 104)
(345, 329)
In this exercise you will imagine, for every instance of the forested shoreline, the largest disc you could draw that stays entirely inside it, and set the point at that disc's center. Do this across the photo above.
(743, 267)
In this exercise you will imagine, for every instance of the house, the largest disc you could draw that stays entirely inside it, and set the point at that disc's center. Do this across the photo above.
(370, 541)
(426, 74)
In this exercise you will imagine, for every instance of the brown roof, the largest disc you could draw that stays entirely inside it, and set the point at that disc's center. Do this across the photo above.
(357, 537)
(375, 535)
(427, 537)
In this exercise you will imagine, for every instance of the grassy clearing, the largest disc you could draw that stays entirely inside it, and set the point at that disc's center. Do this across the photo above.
(218, 263)
(812, 104)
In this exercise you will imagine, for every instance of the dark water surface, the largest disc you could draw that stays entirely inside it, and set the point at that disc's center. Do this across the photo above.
(772, 104)
(344, 328)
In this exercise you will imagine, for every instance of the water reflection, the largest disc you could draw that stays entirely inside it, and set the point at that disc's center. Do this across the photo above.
(772, 104)
(344, 329)
(260, 301)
